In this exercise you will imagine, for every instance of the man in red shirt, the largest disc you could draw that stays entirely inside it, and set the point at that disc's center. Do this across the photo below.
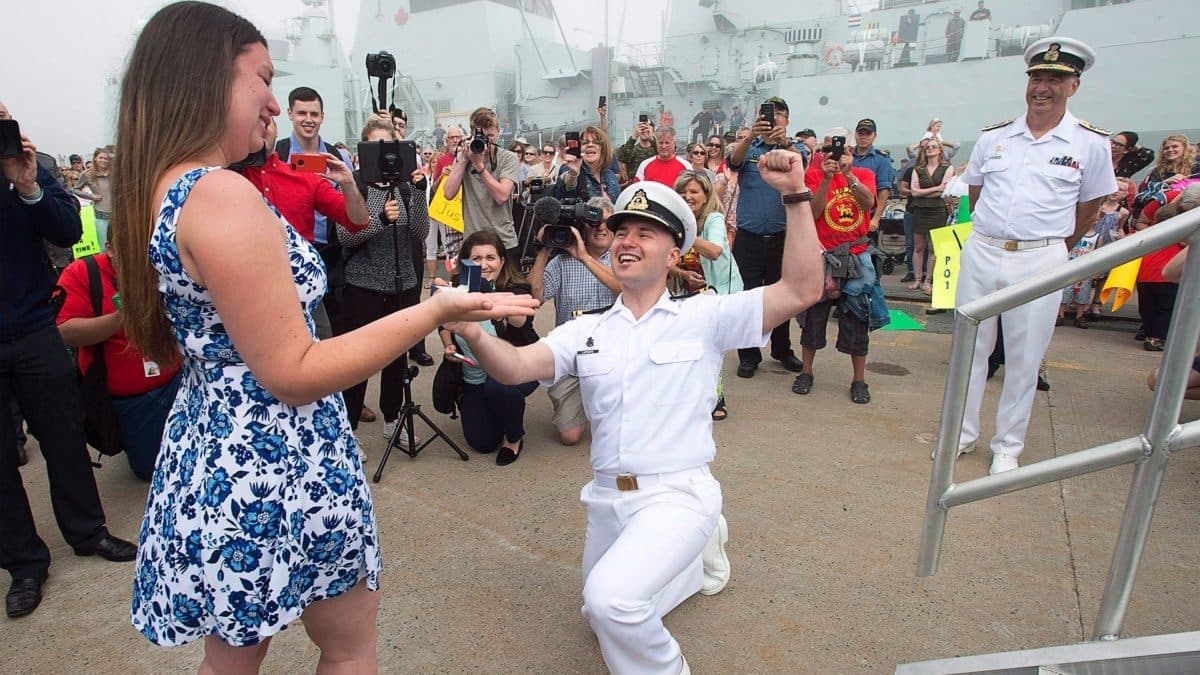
(142, 390)
(843, 196)
(297, 195)
(665, 166)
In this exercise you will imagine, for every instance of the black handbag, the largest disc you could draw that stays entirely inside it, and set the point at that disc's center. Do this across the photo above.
(447, 387)
(101, 425)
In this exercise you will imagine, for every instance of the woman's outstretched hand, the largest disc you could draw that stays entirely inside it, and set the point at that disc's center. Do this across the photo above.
(458, 310)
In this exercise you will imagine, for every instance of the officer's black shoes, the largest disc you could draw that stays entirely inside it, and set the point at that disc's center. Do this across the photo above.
(790, 361)
(746, 369)
(24, 596)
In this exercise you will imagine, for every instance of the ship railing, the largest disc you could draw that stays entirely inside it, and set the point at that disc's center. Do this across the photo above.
(1149, 451)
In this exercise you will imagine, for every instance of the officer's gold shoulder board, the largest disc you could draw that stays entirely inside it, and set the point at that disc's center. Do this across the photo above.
(1094, 129)
(997, 125)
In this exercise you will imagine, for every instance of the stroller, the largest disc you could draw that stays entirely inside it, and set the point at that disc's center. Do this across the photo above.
(889, 238)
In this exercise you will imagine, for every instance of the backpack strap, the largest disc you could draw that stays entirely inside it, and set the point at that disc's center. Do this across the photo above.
(95, 287)
(96, 292)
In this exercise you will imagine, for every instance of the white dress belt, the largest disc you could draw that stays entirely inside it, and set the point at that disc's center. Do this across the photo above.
(1017, 244)
(629, 481)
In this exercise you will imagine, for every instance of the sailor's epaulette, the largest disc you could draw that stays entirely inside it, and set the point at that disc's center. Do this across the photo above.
(599, 310)
(997, 125)
(1095, 129)
(885, 152)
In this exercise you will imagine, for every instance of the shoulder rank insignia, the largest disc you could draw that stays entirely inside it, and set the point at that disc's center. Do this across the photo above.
(1094, 129)
(886, 153)
(997, 125)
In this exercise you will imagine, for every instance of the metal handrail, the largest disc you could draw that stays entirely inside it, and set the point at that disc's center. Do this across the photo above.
(1149, 450)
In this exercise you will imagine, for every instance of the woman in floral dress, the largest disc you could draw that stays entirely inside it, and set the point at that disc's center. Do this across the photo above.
(258, 512)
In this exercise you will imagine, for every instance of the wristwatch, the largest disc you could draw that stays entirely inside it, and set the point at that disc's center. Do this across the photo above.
(797, 197)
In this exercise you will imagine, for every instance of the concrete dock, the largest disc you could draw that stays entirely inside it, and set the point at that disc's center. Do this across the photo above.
(824, 500)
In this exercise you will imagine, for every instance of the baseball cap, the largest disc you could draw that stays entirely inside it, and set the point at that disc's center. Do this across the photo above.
(779, 103)
(865, 123)
(658, 204)
(806, 133)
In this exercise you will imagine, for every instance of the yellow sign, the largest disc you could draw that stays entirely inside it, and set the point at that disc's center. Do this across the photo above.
(947, 252)
(89, 243)
(1120, 282)
(448, 212)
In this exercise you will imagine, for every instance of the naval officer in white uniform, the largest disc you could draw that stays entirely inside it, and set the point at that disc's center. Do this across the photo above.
(1035, 185)
(646, 369)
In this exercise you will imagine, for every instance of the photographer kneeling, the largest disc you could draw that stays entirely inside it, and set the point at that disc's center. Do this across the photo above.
(376, 259)
(580, 281)
(493, 414)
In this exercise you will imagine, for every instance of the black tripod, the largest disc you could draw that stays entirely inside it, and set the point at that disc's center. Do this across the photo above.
(526, 231)
(404, 420)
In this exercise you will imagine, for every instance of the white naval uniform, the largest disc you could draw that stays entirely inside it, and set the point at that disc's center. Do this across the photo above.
(648, 388)
(1030, 189)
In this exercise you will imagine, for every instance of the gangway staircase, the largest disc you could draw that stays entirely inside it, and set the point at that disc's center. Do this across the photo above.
(1149, 452)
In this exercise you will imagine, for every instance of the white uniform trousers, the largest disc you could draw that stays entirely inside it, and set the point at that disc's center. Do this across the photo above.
(641, 559)
(1027, 331)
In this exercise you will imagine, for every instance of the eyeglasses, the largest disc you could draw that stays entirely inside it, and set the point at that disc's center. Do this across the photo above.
(699, 153)
(714, 145)
(1118, 144)
(547, 152)
(530, 153)
(588, 141)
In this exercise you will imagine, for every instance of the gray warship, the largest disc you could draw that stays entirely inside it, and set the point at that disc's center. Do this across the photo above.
(832, 63)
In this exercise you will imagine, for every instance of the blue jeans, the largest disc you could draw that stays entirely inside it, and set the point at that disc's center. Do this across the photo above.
(142, 421)
(493, 412)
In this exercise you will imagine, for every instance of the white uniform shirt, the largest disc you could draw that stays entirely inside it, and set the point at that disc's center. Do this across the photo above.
(649, 385)
(1031, 187)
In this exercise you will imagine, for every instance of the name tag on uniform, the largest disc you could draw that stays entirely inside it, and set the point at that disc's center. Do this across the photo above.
(151, 369)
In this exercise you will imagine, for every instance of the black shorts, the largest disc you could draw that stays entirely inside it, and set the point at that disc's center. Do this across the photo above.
(852, 336)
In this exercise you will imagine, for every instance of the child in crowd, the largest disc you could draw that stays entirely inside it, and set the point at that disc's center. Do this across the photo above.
(1109, 227)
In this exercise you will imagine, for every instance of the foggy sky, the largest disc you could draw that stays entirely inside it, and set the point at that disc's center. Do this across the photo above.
(61, 52)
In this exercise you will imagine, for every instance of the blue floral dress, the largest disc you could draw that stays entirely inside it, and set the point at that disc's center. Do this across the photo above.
(257, 508)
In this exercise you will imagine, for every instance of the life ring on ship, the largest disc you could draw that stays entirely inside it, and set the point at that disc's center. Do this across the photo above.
(834, 56)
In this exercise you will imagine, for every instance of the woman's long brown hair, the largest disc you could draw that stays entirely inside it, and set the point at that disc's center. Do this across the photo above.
(174, 98)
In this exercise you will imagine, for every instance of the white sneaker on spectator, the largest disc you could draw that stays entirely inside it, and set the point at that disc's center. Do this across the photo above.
(1002, 463)
(715, 561)
(964, 450)
(402, 437)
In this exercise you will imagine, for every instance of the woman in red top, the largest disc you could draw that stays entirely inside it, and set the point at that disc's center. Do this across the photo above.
(1156, 295)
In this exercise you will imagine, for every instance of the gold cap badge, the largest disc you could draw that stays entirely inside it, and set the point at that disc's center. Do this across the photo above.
(639, 202)
(1052, 53)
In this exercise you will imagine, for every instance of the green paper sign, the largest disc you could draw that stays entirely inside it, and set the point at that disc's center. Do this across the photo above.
(89, 243)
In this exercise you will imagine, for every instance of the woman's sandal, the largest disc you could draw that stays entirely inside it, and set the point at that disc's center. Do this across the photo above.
(719, 413)
(927, 288)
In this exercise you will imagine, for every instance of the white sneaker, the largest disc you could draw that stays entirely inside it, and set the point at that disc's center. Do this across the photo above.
(1002, 463)
(401, 438)
(964, 450)
(715, 562)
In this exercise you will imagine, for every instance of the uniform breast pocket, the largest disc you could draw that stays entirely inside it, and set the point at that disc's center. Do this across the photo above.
(1062, 178)
(993, 165)
(599, 395)
(673, 362)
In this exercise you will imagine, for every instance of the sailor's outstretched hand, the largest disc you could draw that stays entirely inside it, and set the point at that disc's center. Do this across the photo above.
(782, 170)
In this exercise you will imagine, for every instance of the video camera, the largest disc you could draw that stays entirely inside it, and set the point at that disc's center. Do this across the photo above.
(561, 217)
(381, 64)
(387, 162)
